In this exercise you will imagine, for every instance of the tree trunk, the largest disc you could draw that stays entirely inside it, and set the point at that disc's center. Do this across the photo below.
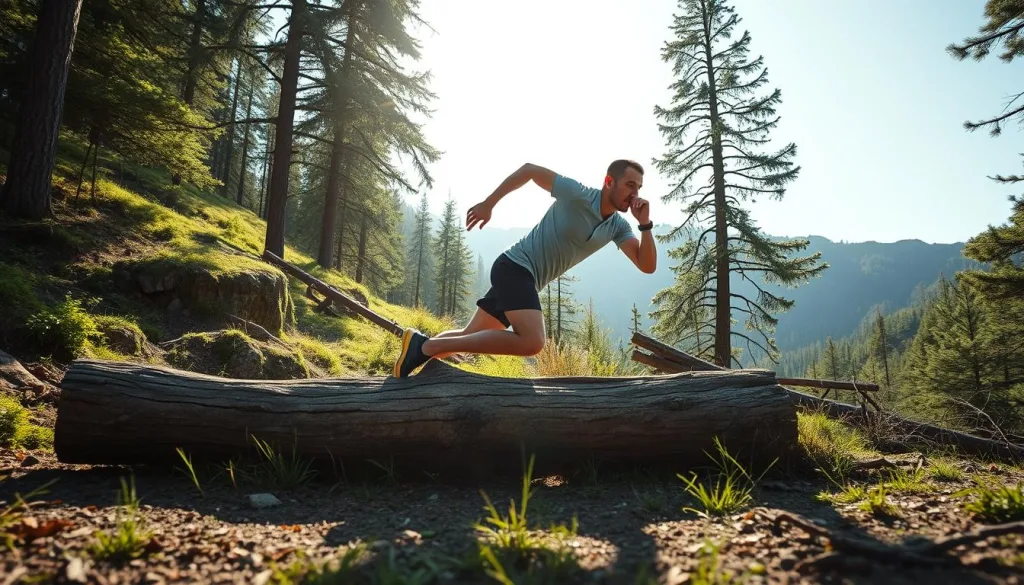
(281, 171)
(195, 53)
(723, 299)
(245, 139)
(329, 220)
(26, 192)
(230, 142)
(442, 418)
(361, 257)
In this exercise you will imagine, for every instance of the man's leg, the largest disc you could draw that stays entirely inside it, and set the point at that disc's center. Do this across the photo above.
(525, 339)
(481, 321)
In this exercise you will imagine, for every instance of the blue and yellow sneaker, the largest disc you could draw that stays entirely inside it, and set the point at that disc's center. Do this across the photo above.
(411, 356)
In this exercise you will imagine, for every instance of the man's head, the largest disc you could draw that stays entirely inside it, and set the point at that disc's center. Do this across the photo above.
(623, 183)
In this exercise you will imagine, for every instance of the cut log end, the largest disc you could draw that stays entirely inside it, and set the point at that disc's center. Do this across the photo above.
(442, 418)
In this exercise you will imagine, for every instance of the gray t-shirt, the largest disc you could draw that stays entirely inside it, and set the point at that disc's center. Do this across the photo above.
(570, 231)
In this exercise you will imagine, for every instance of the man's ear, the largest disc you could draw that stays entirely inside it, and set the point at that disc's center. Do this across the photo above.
(607, 180)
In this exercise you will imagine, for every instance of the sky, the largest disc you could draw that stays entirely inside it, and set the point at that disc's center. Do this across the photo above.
(870, 96)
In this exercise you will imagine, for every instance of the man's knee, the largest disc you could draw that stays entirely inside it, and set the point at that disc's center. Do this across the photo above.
(533, 344)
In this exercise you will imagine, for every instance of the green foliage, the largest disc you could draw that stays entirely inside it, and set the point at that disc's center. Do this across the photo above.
(998, 504)
(62, 330)
(13, 417)
(830, 444)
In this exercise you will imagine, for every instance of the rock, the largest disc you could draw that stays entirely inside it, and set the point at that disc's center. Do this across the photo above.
(263, 500)
(14, 376)
(76, 571)
(204, 288)
(29, 461)
(232, 353)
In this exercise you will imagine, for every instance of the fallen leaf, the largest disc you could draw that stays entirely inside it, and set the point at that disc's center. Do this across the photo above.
(30, 528)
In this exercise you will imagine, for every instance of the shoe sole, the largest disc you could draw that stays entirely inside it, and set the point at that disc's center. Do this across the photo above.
(406, 339)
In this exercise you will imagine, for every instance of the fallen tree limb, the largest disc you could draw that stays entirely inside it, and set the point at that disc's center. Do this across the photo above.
(443, 417)
(929, 553)
(333, 294)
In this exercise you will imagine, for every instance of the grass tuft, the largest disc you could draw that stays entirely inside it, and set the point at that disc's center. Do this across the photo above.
(1001, 503)
(130, 538)
(732, 490)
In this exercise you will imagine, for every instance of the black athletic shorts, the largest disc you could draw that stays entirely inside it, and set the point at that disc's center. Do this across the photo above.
(512, 288)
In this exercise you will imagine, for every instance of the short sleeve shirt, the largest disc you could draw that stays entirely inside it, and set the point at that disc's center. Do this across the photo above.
(571, 230)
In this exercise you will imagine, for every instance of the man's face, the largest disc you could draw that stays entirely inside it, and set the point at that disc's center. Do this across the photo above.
(625, 189)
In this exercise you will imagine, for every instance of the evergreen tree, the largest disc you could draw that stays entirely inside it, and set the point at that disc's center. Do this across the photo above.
(454, 258)
(713, 127)
(881, 348)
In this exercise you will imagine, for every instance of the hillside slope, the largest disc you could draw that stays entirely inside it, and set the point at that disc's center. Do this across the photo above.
(178, 273)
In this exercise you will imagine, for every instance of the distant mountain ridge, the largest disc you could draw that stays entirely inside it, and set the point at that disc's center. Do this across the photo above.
(861, 275)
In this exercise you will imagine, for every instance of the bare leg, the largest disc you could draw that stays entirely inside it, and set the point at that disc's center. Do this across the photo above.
(481, 321)
(525, 339)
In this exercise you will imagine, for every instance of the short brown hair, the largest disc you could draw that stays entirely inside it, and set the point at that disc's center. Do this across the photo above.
(618, 167)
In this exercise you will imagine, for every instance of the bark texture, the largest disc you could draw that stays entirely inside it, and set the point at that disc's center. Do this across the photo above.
(441, 419)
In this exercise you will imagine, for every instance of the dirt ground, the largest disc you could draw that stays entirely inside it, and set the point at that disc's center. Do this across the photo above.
(631, 529)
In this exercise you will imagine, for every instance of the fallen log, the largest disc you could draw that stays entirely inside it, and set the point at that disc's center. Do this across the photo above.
(333, 294)
(829, 384)
(909, 432)
(442, 418)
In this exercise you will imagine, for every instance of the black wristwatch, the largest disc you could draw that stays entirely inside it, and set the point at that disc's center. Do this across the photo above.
(645, 226)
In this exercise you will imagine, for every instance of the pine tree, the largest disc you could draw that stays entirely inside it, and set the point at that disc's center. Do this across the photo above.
(713, 127)
(880, 347)
(636, 319)
(419, 250)
(1001, 246)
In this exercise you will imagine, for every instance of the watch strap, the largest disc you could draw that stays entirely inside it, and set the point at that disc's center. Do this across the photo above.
(645, 226)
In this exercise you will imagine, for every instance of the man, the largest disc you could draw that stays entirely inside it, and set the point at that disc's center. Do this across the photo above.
(580, 222)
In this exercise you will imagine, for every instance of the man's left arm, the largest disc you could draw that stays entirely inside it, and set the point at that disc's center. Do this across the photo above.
(641, 251)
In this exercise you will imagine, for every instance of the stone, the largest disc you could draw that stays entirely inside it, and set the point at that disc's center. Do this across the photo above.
(263, 500)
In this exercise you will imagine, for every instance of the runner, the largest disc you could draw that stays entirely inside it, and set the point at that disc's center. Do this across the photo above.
(581, 221)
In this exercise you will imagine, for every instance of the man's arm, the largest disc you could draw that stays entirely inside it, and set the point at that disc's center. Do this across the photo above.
(481, 212)
(642, 252)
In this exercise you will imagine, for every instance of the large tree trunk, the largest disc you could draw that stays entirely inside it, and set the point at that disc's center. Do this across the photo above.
(26, 192)
(281, 171)
(723, 299)
(329, 219)
(440, 419)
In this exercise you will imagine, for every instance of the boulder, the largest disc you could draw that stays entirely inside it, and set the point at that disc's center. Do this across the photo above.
(233, 354)
(250, 291)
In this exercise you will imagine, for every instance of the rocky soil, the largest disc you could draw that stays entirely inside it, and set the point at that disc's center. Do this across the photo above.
(632, 528)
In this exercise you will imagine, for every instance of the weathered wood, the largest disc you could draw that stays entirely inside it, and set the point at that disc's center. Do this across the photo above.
(831, 384)
(333, 294)
(442, 418)
(670, 353)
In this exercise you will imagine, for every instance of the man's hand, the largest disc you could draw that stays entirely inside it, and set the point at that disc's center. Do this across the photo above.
(641, 210)
(479, 213)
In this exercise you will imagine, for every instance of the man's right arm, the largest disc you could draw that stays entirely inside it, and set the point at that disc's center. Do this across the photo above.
(481, 212)
(542, 177)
